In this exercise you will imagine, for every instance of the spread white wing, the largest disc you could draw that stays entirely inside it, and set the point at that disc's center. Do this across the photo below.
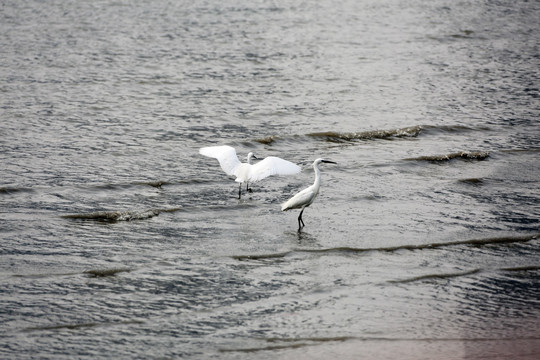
(272, 166)
(226, 155)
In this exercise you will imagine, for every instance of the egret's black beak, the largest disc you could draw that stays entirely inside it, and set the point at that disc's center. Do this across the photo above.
(328, 161)
(254, 157)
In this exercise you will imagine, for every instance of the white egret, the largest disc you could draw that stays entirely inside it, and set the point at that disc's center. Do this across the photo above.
(306, 197)
(246, 172)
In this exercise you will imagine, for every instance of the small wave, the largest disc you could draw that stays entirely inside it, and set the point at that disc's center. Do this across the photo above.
(157, 184)
(117, 216)
(493, 241)
(465, 273)
(436, 276)
(13, 190)
(292, 343)
(106, 272)
(80, 325)
(268, 140)
(261, 256)
(453, 129)
(471, 242)
(522, 268)
(464, 155)
(472, 181)
(296, 343)
(333, 136)
(353, 250)
(517, 151)
(43, 275)
(90, 273)
(114, 216)
(406, 132)
(314, 339)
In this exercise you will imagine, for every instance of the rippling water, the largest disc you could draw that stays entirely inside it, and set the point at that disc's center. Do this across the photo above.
(120, 241)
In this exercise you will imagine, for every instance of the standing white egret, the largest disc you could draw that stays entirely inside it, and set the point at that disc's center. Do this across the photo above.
(246, 172)
(306, 197)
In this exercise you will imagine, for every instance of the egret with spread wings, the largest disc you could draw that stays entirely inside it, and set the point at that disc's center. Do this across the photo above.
(247, 172)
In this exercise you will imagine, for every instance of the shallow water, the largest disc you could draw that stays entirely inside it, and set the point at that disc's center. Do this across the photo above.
(120, 241)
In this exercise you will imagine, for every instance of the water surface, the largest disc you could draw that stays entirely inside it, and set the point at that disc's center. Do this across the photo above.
(120, 241)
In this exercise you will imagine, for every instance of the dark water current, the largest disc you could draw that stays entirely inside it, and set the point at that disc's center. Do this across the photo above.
(118, 240)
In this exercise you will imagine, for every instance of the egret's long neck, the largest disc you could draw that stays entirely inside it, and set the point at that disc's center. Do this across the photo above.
(317, 183)
(249, 159)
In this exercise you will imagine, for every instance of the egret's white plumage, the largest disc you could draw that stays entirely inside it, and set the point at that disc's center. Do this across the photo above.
(306, 197)
(246, 172)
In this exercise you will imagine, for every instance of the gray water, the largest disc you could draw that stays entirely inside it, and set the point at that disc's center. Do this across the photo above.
(118, 240)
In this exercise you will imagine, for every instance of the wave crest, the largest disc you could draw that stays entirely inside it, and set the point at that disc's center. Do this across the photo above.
(463, 155)
(114, 216)
(412, 131)
(335, 136)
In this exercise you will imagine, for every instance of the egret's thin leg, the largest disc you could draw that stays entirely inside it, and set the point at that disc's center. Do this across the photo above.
(247, 187)
(240, 191)
(300, 221)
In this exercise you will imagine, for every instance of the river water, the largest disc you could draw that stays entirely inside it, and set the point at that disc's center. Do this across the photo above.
(118, 240)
